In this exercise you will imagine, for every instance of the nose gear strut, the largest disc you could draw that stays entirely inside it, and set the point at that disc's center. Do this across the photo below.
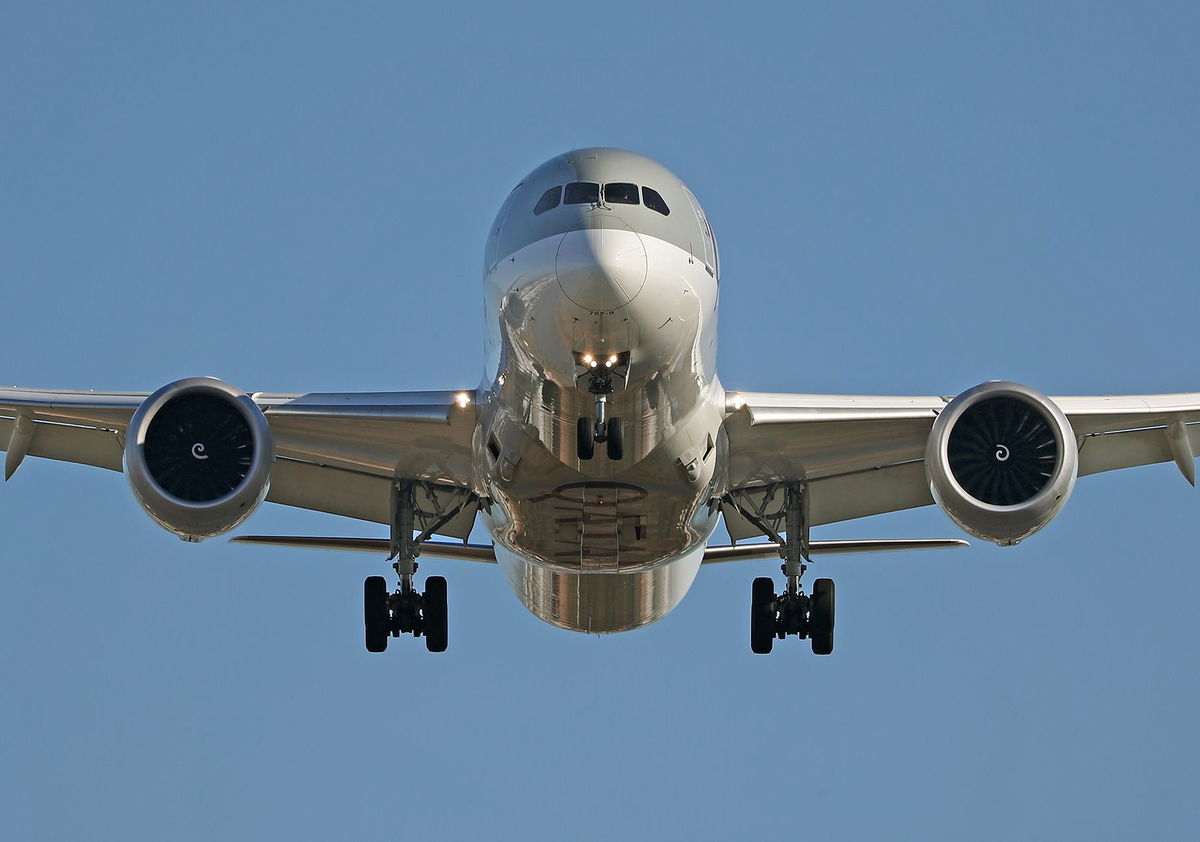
(600, 428)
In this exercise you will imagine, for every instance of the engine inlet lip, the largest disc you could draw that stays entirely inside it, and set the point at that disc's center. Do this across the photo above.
(1005, 389)
(260, 463)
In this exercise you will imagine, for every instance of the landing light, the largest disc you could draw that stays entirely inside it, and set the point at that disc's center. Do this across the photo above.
(462, 399)
(612, 360)
(587, 358)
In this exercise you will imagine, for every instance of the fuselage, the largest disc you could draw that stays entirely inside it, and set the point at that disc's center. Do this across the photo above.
(600, 260)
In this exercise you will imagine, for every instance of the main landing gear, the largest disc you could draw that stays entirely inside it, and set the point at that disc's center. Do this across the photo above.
(792, 612)
(405, 610)
(777, 616)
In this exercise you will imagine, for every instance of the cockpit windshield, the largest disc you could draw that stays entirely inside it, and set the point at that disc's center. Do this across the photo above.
(582, 193)
(621, 193)
(589, 192)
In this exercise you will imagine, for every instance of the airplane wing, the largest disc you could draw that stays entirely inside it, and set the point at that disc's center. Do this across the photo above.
(335, 452)
(862, 455)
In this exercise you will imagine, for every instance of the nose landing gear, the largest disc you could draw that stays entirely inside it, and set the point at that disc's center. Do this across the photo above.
(608, 431)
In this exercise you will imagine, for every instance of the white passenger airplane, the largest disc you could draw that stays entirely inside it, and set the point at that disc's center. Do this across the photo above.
(601, 448)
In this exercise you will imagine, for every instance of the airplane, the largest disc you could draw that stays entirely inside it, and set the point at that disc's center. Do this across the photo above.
(601, 449)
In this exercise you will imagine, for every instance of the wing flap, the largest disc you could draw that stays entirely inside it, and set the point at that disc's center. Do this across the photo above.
(1129, 448)
(366, 496)
(83, 445)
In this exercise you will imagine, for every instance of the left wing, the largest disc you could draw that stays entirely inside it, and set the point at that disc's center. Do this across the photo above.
(335, 452)
(863, 455)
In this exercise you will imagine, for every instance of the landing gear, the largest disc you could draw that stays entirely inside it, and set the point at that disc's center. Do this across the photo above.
(608, 431)
(777, 616)
(391, 615)
(406, 610)
(792, 612)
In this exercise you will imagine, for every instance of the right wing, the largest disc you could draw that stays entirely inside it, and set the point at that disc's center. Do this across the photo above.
(864, 455)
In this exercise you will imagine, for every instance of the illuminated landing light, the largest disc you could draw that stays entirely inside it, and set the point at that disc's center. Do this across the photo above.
(462, 399)
(587, 358)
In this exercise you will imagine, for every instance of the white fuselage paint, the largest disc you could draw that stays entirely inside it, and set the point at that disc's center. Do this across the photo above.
(601, 545)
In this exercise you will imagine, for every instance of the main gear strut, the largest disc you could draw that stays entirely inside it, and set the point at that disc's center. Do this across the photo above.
(405, 611)
(793, 612)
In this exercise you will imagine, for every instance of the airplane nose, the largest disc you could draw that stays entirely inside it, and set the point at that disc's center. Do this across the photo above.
(601, 268)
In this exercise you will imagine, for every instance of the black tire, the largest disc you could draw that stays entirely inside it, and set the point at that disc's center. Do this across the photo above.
(821, 612)
(434, 615)
(585, 438)
(375, 613)
(822, 644)
(762, 616)
(614, 434)
(821, 617)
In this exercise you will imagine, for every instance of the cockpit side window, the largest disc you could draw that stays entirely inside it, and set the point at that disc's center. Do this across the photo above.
(654, 201)
(621, 194)
(582, 193)
(549, 200)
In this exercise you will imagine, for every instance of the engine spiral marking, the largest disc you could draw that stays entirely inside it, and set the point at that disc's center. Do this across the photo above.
(198, 451)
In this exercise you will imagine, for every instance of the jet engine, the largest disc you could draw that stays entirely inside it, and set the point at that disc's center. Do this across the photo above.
(198, 456)
(1001, 461)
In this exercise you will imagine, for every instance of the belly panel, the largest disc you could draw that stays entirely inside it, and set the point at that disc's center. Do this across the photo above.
(595, 602)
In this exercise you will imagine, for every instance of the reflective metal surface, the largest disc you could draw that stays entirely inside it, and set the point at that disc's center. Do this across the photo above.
(600, 545)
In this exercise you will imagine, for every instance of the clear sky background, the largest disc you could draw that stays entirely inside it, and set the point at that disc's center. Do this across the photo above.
(909, 199)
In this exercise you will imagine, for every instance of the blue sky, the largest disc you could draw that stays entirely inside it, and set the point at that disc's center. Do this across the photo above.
(908, 200)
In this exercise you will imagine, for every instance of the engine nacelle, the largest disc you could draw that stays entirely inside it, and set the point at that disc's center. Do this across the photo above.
(1001, 461)
(198, 456)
